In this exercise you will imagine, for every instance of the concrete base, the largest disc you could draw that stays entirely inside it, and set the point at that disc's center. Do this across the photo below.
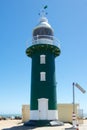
(38, 123)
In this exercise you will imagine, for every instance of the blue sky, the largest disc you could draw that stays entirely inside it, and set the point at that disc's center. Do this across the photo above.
(17, 20)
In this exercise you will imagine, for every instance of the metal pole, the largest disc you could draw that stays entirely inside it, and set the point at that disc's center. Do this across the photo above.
(73, 98)
(74, 120)
(73, 114)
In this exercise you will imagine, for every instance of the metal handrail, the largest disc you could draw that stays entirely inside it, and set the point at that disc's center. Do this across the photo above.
(45, 39)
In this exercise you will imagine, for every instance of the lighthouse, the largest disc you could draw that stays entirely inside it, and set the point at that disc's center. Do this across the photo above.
(43, 98)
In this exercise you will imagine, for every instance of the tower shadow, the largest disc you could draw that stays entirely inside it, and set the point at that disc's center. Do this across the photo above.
(20, 128)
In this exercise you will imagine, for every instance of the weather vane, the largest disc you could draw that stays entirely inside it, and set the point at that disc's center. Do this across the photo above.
(43, 13)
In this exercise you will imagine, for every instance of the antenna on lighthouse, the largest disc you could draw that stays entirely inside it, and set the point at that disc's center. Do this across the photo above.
(43, 12)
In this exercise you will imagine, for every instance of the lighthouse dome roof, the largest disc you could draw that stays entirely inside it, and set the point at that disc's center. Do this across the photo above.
(43, 28)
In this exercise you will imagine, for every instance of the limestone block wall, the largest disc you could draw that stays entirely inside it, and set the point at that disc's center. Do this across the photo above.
(25, 113)
(64, 112)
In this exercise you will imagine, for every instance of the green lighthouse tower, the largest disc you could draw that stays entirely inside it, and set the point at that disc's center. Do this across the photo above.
(43, 51)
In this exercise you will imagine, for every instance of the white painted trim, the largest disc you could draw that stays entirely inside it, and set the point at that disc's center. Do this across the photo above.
(34, 115)
(52, 115)
(42, 59)
(42, 76)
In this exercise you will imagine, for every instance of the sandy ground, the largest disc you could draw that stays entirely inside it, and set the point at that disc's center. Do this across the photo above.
(83, 126)
(18, 125)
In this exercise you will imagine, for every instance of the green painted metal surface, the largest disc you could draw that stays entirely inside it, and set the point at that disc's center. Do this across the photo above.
(43, 89)
(43, 47)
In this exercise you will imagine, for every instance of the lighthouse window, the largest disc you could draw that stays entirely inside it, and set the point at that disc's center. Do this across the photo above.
(42, 59)
(42, 76)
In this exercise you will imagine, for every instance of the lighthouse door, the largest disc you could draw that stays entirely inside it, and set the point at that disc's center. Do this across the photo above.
(43, 108)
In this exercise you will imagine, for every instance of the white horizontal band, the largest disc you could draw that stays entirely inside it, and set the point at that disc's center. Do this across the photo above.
(36, 115)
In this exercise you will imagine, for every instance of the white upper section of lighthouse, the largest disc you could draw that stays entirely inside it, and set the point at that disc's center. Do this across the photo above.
(43, 32)
(43, 22)
(43, 27)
